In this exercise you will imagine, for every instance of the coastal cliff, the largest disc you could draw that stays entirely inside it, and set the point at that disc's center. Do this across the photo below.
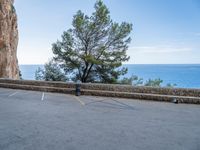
(8, 40)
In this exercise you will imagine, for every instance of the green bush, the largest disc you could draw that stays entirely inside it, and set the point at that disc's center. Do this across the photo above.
(13, 10)
(51, 72)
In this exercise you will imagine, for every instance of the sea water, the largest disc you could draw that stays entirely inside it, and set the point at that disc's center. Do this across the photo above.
(186, 76)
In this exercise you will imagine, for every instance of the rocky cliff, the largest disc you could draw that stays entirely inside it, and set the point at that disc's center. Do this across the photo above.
(8, 40)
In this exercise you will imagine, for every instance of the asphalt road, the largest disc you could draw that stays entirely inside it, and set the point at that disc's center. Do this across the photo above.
(32, 120)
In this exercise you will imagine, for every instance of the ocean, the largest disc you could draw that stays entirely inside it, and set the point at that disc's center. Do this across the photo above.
(185, 76)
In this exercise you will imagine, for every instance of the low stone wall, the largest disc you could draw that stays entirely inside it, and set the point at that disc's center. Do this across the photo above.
(38, 83)
(143, 89)
(124, 91)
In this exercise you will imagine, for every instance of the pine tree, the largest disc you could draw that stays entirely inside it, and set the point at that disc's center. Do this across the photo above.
(95, 47)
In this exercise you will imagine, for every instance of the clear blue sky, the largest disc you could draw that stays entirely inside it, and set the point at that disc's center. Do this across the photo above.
(164, 31)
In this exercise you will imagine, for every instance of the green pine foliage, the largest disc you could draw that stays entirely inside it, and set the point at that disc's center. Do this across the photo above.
(154, 82)
(95, 47)
(51, 72)
(137, 81)
(133, 80)
(170, 85)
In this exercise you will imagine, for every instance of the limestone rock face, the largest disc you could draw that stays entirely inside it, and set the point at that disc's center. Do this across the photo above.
(8, 40)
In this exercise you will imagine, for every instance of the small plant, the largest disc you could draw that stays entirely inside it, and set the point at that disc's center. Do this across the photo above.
(133, 80)
(154, 82)
(20, 75)
(169, 85)
(13, 10)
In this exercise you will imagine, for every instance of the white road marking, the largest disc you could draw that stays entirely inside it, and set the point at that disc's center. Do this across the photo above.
(13, 94)
(42, 96)
(80, 101)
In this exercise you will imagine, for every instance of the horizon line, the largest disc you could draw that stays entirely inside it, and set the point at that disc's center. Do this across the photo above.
(142, 64)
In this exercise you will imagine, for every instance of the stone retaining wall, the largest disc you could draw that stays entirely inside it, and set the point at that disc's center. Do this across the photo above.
(136, 92)
(143, 89)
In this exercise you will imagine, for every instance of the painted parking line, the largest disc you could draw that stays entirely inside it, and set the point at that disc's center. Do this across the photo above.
(122, 103)
(109, 101)
(80, 101)
(13, 94)
(42, 96)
